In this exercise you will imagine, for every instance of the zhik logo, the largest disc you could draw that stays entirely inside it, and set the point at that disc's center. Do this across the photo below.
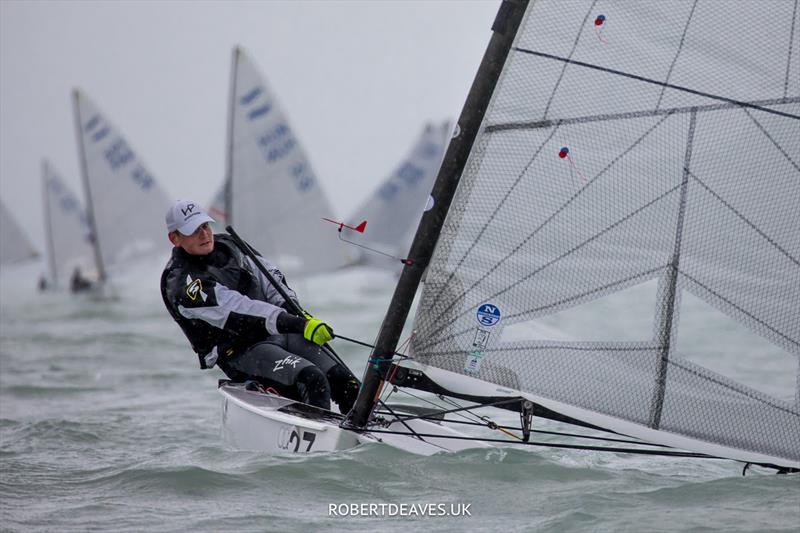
(195, 287)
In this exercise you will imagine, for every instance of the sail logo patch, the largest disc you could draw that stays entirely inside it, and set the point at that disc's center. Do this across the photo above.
(488, 315)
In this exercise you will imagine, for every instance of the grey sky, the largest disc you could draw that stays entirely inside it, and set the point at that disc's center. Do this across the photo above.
(356, 79)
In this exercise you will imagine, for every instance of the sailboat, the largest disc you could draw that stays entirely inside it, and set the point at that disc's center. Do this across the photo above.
(393, 210)
(271, 191)
(125, 205)
(600, 151)
(15, 246)
(67, 236)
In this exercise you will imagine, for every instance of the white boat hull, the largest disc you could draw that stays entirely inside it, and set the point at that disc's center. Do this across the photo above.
(259, 421)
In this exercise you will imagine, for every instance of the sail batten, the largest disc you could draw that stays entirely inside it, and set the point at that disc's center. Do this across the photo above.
(662, 148)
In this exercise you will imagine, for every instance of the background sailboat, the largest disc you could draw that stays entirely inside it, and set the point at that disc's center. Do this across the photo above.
(393, 211)
(67, 233)
(597, 168)
(14, 244)
(124, 203)
(273, 197)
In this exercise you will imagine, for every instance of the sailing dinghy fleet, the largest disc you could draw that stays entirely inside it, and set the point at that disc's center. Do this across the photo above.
(602, 148)
(597, 152)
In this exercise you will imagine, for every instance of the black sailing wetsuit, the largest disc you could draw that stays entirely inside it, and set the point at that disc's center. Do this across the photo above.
(234, 318)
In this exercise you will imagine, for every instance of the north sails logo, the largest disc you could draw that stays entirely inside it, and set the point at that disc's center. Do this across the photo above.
(194, 287)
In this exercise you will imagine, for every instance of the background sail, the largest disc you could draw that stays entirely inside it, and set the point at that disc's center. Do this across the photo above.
(658, 145)
(67, 233)
(124, 199)
(14, 245)
(276, 202)
(216, 207)
(394, 209)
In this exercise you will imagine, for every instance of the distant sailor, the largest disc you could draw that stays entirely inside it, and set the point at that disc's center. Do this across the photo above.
(78, 283)
(235, 319)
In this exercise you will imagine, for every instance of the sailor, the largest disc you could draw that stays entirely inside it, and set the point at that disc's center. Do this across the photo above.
(78, 283)
(235, 319)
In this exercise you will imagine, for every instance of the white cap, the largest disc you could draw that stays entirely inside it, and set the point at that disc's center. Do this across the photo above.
(186, 216)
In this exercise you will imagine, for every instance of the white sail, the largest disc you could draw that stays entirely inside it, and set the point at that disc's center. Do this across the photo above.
(125, 204)
(393, 211)
(67, 233)
(275, 200)
(629, 143)
(14, 245)
(217, 206)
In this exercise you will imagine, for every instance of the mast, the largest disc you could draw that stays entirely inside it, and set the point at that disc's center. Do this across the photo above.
(98, 258)
(228, 186)
(48, 222)
(505, 27)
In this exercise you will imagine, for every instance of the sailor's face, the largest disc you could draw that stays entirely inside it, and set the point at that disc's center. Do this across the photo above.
(201, 242)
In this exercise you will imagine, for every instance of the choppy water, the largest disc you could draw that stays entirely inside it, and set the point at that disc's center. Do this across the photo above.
(106, 423)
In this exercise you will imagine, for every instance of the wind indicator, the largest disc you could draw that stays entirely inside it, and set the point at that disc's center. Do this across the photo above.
(599, 28)
(564, 154)
(360, 229)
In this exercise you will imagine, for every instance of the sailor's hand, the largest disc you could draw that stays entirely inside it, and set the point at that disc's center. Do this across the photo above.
(317, 331)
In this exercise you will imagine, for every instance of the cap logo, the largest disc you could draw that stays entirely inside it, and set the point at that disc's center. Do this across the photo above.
(189, 209)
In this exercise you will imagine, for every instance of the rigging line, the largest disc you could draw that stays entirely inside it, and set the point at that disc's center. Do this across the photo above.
(437, 406)
(402, 421)
(545, 432)
(656, 82)
(635, 451)
(740, 309)
(677, 53)
(768, 136)
(491, 217)
(552, 216)
(743, 392)
(604, 117)
(763, 235)
(574, 249)
(791, 45)
(571, 52)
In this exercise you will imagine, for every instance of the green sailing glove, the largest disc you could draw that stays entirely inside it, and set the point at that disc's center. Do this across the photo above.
(317, 331)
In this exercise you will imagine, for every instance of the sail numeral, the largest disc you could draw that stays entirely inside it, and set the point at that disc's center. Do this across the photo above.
(307, 436)
(387, 191)
(142, 178)
(250, 96)
(410, 173)
(277, 143)
(68, 204)
(302, 176)
(429, 150)
(118, 154)
(100, 135)
(259, 111)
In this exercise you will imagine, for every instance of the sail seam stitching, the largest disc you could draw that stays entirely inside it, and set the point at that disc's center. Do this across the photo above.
(791, 45)
(536, 124)
(677, 54)
(565, 254)
(738, 308)
(763, 235)
(564, 68)
(555, 213)
(607, 70)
